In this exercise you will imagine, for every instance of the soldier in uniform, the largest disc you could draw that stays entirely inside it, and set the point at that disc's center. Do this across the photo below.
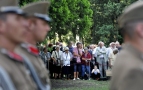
(37, 31)
(128, 67)
(13, 73)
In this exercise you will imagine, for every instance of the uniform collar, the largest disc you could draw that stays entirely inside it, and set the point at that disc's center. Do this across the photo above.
(11, 55)
(30, 48)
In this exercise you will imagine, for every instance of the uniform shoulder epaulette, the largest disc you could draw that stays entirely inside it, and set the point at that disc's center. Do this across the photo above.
(30, 48)
(12, 55)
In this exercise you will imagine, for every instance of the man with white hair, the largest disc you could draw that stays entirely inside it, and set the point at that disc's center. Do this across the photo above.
(101, 59)
(118, 46)
(111, 48)
(94, 55)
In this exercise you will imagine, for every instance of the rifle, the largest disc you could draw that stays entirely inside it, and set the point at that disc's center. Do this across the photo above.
(5, 81)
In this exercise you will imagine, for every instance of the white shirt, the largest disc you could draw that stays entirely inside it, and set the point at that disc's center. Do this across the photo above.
(110, 50)
(112, 57)
(56, 54)
(101, 56)
(66, 57)
(95, 71)
(94, 52)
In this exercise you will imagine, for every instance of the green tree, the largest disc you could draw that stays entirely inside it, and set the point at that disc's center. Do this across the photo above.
(70, 16)
(60, 14)
(24, 2)
(105, 14)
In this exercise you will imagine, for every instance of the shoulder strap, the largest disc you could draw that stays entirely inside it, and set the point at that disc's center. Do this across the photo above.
(34, 75)
(5, 81)
(56, 54)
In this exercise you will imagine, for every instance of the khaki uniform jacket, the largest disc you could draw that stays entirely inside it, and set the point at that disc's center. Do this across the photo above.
(36, 61)
(128, 70)
(17, 72)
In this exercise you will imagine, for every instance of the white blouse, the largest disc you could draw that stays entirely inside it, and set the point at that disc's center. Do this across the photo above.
(66, 57)
(95, 71)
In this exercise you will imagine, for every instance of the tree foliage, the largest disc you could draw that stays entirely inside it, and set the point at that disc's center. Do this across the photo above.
(73, 16)
(106, 12)
(91, 20)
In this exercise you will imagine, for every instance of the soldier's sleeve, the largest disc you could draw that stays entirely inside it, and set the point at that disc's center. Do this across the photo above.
(132, 81)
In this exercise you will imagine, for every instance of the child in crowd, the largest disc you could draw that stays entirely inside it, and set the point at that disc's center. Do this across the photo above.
(95, 74)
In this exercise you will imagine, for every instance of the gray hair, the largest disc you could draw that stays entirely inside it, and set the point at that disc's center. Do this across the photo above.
(100, 42)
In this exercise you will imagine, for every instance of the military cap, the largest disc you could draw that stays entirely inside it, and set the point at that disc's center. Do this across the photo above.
(131, 13)
(10, 6)
(38, 9)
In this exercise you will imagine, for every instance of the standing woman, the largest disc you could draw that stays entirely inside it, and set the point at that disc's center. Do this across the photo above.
(86, 58)
(45, 56)
(66, 57)
(56, 56)
(77, 52)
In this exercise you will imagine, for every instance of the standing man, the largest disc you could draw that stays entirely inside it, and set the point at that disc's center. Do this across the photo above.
(70, 46)
(12, 32)
(128, 68)
(37, 31)
(109, 51)
(118, 46)
(101, 59)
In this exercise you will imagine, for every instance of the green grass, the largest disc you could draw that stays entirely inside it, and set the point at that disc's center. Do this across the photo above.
(79, 85)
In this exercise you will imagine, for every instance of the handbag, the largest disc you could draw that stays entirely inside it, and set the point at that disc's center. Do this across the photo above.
(58, 61)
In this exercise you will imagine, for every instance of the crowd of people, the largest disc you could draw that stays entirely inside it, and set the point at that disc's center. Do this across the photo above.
(78, 62)
(21, 68)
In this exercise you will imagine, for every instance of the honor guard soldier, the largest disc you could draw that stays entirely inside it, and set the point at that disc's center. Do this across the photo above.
(128, 68)
(13, 73)
(37, 31)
